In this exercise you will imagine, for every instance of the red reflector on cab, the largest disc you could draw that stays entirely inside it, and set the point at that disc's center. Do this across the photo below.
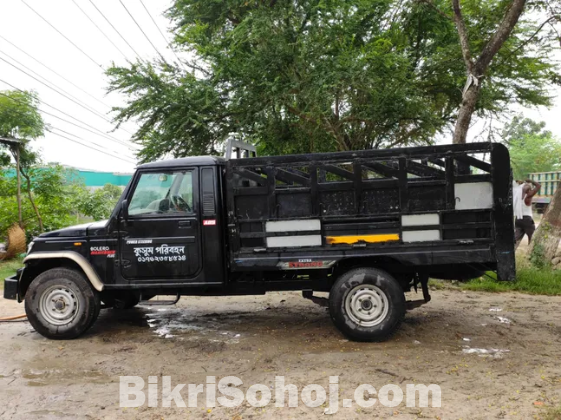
(211, 222)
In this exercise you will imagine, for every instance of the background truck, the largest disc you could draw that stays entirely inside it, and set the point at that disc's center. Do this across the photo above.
(549, 182)
(364, 226)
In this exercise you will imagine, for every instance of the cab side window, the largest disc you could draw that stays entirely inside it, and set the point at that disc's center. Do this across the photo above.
(169, 192)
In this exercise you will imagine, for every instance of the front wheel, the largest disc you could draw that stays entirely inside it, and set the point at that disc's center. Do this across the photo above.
(61, 304)
(367, 304)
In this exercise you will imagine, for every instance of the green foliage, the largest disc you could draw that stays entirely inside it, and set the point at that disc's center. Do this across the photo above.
(323, 75)
(528, 280)
(55, 197)
(19, 119)
(8, 268)
(531, 147)
(537, 257)
(552, 413)
(61, 198)
(520, 127)
(100, 203)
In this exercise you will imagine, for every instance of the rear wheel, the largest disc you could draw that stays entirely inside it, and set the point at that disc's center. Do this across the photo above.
(61, 304)
(367, 304)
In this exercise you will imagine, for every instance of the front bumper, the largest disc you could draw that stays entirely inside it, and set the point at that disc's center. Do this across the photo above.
(11, 287)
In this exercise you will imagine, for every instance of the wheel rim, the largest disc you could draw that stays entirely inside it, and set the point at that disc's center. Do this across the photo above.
(59, 305)
(367, 305)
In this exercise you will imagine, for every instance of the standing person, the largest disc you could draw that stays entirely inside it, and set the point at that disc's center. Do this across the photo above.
(522, 193)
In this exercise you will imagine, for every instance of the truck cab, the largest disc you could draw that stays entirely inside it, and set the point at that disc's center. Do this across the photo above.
(364, 226)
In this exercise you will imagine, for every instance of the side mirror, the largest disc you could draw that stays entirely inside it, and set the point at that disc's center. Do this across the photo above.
(125, 209)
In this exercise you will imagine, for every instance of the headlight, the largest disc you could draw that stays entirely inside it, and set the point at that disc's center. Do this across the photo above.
(30, 246)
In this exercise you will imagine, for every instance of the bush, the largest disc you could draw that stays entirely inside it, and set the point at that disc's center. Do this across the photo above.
(61, 200)
(100, 203)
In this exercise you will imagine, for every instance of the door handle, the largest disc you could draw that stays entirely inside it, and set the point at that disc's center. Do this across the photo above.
(184, 223)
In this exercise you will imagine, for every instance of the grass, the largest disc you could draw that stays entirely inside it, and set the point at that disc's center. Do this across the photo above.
(528, 280)
(552, 414)
(8, 268)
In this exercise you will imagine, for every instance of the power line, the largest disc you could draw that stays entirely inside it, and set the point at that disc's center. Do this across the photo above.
(70, 116)
(71, 123)
(81, 138)
(78, 137)
(168, 43)
(90, 147)
(142, 30)
(115, 29)
(64, 36)
(83, 128)
(53, 71)
(62, 119)
(62, 94)
(45, 79)
(99, 29)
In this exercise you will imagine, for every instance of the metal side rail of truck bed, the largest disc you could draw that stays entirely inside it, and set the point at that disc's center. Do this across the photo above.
(446, 210)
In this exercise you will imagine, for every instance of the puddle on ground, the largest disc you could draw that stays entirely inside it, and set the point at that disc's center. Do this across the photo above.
(35, 383)
(179, 322)
(496, 353)
(39, 377)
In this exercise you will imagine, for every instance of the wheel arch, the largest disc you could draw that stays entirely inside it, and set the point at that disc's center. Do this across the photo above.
(402, 272)
(39, 262)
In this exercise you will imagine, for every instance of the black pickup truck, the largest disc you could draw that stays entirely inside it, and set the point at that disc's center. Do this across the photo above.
(365, 226)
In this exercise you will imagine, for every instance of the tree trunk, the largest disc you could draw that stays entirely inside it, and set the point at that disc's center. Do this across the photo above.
(20, 220)
(32, 201)
(476, 69)
(546, 239)
(467, 108)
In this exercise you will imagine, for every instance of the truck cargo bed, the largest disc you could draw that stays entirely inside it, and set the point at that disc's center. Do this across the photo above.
(437, 207)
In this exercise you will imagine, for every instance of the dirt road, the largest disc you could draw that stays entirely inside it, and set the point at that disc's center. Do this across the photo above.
(509, 368)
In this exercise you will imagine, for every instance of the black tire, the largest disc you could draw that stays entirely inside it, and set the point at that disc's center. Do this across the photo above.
(367, 304)
(75, 305)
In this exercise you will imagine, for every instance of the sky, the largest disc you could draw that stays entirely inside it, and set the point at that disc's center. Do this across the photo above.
(82, 98)
(79, 107)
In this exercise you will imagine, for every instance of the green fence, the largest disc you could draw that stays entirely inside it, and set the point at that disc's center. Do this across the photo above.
(548, 180)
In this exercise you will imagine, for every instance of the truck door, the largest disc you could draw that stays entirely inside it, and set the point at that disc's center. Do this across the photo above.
(161, 237)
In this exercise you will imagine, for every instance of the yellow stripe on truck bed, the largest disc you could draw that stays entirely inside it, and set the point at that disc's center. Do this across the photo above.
(353, 239)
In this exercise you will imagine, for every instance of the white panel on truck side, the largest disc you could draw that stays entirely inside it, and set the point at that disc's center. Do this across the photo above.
(473, 195)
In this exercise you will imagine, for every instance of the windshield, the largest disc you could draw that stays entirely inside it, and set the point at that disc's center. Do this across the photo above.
(163, 192)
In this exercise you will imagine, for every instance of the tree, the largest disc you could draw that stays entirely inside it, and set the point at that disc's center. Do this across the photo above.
(21, 120)
(61, 198)
(532, 148)
(520, 127)
(477, 68)
(323, 75)
(19, 117)
(532, 153)
(481, 48)
(548, 234)
(54, 197)
(100, 203)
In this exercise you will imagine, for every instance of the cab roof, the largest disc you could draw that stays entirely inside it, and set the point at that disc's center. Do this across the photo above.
(186, 161)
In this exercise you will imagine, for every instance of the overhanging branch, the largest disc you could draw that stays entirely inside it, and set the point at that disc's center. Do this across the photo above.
(463, 34)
